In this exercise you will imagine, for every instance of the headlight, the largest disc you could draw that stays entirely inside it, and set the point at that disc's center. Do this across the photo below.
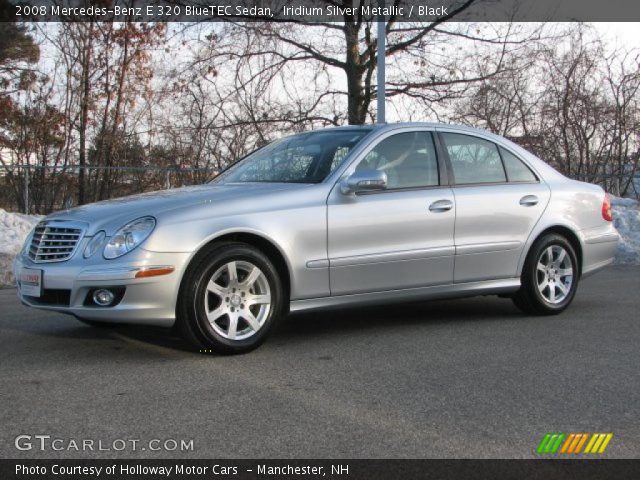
(94, 244)
(129, 237)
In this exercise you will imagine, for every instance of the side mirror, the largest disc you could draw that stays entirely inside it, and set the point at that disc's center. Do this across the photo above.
(364, 181)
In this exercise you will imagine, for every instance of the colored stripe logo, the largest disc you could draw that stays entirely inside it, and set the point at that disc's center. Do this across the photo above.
(569, 443)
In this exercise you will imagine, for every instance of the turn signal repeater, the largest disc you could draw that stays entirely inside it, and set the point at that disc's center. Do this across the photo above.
(154, 271)
(606, 208)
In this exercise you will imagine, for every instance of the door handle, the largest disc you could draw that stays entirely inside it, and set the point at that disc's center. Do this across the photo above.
(441, 206)
(529, 201)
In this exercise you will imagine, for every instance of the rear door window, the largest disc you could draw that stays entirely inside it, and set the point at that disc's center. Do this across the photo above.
(474, 160)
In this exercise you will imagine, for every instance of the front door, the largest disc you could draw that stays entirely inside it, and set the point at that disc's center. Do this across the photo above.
(401, 237)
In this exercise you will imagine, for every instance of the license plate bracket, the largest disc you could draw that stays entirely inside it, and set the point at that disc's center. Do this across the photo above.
(31, 282)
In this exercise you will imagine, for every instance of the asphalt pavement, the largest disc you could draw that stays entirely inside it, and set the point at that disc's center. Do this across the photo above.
(470, 378)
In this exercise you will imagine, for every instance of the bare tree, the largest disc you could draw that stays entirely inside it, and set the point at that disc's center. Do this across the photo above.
(574, 103)
(34, 134)
(108, 69)
(423, 64)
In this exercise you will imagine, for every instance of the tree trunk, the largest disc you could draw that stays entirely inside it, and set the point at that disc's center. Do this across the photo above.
(82, 157)
(357, 105)
(106, 184)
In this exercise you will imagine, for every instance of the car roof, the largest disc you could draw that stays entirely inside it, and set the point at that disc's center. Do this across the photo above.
(394, 125)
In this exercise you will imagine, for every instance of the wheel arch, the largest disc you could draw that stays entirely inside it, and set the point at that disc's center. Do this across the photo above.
(564, 231)
(262, 243)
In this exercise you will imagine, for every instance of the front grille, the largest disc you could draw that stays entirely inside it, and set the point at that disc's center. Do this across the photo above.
(54, 241)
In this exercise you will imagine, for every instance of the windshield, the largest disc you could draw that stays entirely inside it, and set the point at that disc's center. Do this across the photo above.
(304, 158)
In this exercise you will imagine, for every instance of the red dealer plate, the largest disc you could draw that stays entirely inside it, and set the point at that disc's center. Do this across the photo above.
(31, 282)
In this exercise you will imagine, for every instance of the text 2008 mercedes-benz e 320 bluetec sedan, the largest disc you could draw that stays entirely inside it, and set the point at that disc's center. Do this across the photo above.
(342, 216)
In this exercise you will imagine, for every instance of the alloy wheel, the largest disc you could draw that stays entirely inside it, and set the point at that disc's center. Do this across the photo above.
(554, 274)
(237, 300)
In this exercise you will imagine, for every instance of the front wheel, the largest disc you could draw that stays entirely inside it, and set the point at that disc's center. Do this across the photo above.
(230, 299)
(549, 277)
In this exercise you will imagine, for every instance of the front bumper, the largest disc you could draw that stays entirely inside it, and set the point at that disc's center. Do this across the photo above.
(149, 300)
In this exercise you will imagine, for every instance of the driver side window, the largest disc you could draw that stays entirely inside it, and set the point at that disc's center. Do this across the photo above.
(409, 160)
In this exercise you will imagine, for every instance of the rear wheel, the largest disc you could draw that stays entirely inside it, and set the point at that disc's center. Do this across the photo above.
(549, 277)
(230, 300)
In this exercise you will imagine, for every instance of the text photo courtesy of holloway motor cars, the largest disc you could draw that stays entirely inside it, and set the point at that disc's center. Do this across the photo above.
(349, 239)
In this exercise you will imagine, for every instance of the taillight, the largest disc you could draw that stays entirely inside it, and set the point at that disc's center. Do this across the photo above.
(606, 208)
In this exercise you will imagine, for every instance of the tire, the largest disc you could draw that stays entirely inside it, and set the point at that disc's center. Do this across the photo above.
(230, 299)
(549, 278)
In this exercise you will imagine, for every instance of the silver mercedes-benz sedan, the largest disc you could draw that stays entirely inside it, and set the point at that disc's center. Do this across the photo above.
(333, 217)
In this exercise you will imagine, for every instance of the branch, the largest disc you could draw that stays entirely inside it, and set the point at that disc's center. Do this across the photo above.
(407, 43)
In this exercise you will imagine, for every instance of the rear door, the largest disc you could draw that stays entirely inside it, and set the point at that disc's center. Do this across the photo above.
(401, 237)
(499, 199)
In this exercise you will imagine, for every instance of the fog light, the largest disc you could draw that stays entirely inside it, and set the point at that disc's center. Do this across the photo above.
(103, 297)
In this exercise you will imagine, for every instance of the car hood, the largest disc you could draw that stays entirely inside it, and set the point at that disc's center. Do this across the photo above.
(111, 214)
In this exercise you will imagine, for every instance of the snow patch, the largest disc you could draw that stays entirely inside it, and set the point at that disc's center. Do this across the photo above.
(626, 219)
(14, 228)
